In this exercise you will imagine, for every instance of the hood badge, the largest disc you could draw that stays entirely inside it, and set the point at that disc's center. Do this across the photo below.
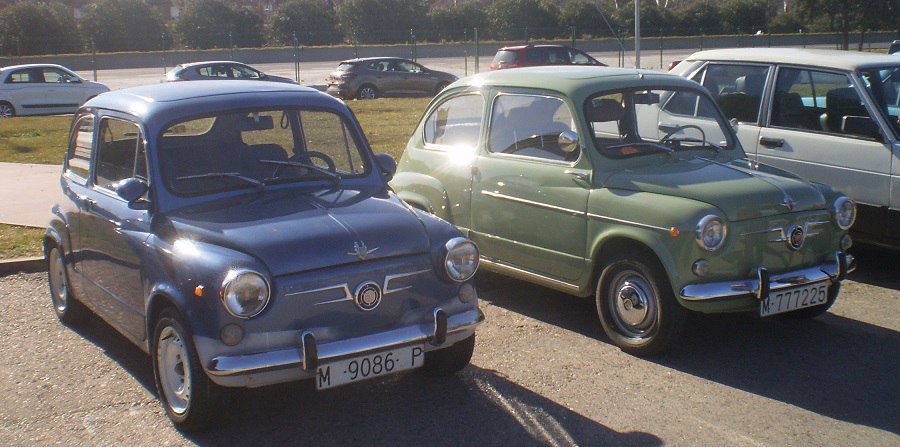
(360, 251)
(788, 203)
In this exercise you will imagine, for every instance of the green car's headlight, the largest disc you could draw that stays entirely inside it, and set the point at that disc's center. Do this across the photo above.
(711, 232)
(245, 293)
(461, 260)
(844, 212)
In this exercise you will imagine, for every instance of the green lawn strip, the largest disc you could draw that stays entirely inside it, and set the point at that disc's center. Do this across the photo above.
(387, 122)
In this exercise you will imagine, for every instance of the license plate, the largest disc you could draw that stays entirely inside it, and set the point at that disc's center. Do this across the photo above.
(369, 366)
(786, 300)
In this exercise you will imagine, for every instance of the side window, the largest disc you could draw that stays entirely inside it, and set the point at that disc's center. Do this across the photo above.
(738, 89)
(81, 140)
(837, 101)
(120, 153)
(530, 126)
(53, 75)
(456, 122)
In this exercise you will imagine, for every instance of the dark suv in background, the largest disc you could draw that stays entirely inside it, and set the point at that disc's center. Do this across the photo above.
(533, 55)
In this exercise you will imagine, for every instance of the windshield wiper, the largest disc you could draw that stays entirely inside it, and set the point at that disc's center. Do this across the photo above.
(299, 164)
(703, 142)
(258, 184)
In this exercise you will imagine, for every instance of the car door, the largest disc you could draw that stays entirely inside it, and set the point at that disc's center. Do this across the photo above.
(528, 195)
(27, 91)
(806, 134)
(64, 90)
(739, 90)
(414, 78)
(76, 173)
(113, 232)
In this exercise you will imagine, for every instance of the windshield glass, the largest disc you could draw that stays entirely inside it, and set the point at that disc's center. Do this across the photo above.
(255, 148)
(637, 122)
(884, 85)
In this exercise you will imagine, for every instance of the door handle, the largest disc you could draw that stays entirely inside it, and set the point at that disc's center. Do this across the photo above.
(578, 175)
(771, 142)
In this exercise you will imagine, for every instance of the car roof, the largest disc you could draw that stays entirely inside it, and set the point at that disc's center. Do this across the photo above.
(522, 47)
(846, 60)
(367, 59)
(160, 103)
(574, 80)
(17, 67)
(194, 64)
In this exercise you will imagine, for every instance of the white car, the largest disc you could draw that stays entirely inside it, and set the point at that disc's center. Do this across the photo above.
(830, 116)
(42, 89)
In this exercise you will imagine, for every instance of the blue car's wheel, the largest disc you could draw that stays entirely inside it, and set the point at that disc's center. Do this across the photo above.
(68, 309)
(187, 395)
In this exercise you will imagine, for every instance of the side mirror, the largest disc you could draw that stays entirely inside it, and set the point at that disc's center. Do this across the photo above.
(131, 189)
(863, 126)
(387, 165)
(568, 141)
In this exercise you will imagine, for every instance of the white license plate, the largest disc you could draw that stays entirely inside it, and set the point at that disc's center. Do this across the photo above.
(786, 300)
(369, 366)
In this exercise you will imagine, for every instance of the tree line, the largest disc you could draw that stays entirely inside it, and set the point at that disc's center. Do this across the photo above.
(33, 27)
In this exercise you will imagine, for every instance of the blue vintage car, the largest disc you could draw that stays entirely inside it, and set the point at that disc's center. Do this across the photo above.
(243, 234)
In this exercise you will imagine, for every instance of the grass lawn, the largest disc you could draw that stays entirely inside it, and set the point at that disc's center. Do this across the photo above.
(387, 122)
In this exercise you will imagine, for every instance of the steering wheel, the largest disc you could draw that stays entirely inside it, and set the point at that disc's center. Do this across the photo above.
(309, 156)
(679, 129)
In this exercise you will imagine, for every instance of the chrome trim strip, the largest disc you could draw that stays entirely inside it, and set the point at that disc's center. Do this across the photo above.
(829, 271)
(497, 195)
(782, 237)
(292, 357)
(540, 279)
(385, 289)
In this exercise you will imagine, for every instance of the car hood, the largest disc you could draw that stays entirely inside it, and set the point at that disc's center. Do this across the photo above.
(294, 232)
(741, 192)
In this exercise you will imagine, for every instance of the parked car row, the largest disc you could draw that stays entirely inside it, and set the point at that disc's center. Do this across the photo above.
(244, 234)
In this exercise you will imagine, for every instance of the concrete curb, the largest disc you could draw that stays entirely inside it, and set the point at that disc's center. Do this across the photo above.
(22, 265)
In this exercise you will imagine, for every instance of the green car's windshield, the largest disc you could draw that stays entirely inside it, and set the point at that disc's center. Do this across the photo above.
(636, 122)
(255, 148)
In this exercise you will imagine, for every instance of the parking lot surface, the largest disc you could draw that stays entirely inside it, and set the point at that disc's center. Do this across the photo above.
(543, 374)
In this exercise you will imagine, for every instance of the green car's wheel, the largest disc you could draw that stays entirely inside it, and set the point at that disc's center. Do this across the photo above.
(636, 307)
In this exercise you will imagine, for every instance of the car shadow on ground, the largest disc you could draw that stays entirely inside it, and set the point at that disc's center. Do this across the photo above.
(475, 407)
(833, 366)
(876, 267)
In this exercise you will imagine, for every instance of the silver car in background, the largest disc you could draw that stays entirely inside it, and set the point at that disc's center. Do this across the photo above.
(830, 116)
(43, 89)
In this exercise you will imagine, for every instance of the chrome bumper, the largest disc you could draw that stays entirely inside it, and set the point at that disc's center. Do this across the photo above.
(764, 283)
(308, 354)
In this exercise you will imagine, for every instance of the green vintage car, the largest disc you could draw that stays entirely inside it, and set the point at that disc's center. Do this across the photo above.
(630, 187)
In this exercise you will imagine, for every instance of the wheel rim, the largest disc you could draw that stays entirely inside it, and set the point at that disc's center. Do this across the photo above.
(367, 93)
(5, 111)
(633, 304)
(57, 277)
(174, 369)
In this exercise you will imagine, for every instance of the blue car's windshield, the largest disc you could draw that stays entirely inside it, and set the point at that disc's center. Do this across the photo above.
(255, 148)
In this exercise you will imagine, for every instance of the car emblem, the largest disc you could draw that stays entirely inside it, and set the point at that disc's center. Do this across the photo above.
(368, 296)
(360, 251)
(796, 237)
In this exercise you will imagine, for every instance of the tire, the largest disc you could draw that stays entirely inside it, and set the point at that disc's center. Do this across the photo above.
(448, 361)
(7, 110)
(367, 91)
(812, 312)
(68, 309)
(190, 399)
(637, 308)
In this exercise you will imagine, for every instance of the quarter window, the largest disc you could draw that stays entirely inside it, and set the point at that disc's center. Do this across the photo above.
(456, 122)
(81, 141)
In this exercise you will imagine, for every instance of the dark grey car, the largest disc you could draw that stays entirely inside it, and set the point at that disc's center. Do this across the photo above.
(372, 77)
(219, 70)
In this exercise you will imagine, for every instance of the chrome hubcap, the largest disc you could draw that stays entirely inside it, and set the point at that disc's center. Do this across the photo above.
(174, 370)
(634, 305)
(57, 277)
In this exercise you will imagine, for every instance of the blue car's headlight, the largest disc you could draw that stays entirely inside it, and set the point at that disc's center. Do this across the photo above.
(461, 260)
(245, 293)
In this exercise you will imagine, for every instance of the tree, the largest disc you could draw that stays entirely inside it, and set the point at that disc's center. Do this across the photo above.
(702, 16)
(653, 18)
(511, 18)
(744, 16)
(381, 21)
(588, 17)
(122, 25)
(458, 23)
(38, 28)
(213, 24)
(309, 20)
